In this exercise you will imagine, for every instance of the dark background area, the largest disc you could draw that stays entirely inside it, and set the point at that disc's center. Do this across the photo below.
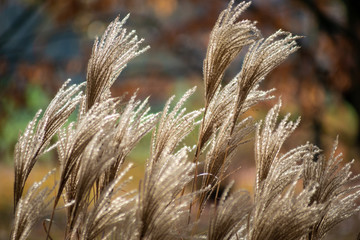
(43, 43)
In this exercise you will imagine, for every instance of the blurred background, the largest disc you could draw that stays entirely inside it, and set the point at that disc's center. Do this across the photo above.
(43, 43)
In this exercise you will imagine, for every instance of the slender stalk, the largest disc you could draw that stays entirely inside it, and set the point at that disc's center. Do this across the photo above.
(196, 158)
(51, 219)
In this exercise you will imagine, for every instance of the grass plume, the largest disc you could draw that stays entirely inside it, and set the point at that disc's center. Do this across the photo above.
(170, 202)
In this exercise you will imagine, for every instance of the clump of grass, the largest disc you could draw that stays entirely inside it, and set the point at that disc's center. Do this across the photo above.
(169, 203)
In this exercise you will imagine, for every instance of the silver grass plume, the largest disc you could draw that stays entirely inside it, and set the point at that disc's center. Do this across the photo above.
(286, 217)
(220, 154)
(94, 160)
(173, 127)
(33, 142)
(230, 215)
(282, 173)
(161, 213)
(134, 123)
(109, 57)
(223, 103)
(244, 90)
(30, 209)
(278, 213)
(227, 39)
(74, 139)
(268, 142)
(336, 190)
(107, 215)
(262, 57)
